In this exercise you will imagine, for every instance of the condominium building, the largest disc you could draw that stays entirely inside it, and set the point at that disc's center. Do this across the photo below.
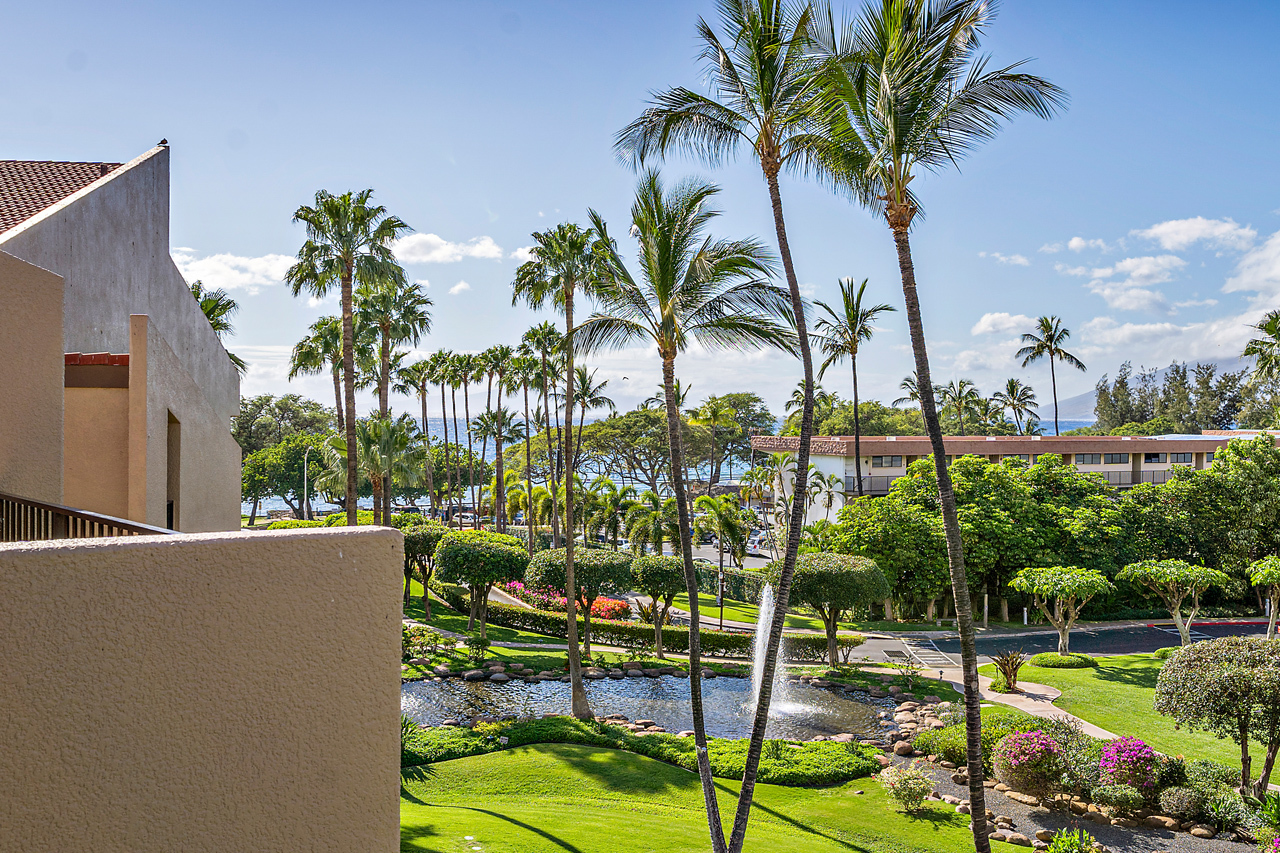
(1122, 461)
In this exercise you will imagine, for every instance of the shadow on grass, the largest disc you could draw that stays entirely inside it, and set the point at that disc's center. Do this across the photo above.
(1132, 675)
(620, 771)
(427, 832)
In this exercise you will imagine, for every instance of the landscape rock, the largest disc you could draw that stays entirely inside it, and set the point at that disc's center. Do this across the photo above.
(441, 670)
(1019, 839)
(475, 675)
(950, 800)
(708, 673)
(680, 673)
(686, 733)
(883, 761)
(1159, 821)
(1045, 835)
(1001, 787)
(499, 678)
(1202, 831)
(644, 724)
(633, 664)
(1126, 822)
(634, 673)
(895, 690)
(903, 747)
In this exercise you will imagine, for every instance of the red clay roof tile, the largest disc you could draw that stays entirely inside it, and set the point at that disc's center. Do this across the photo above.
(29, 186)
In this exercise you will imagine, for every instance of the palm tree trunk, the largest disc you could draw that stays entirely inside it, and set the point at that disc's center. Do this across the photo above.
(581, 708)
(695, 619)
(528, 469)
(349, 392)
(955, 549)
(857, 425)
(444, 428)
(488, 406)
(471, 458)
(783, 592)
(430, 465)
(553, 485)
(457, 461)
(1053, 378)
(500, 492)
(337, 398)
(384, 406)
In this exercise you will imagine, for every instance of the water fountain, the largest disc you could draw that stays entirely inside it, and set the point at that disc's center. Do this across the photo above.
(763, 622)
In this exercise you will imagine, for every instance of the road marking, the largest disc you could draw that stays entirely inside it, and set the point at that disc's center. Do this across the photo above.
(1195, 635)
(927, 653)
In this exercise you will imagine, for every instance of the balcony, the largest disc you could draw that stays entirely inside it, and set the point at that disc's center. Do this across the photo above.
(25, 520)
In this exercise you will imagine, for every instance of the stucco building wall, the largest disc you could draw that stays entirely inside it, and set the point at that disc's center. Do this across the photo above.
(209, 692)
(31, 352)
(96, 462)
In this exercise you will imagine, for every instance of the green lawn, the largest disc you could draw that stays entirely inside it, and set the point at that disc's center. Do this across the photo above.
(552, 798)
(1119, 696)
(741, 611)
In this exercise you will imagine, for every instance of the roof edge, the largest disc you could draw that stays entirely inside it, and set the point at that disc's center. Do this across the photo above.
(78, 194)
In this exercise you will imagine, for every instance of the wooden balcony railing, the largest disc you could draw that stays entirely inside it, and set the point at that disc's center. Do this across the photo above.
(23, 520)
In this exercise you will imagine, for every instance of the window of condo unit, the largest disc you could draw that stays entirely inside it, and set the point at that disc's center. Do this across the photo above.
(1025, 457)
(1115, 458)
(1181, 458)
(1088, 458)
(1208, 457)
(1155, 458)
(886, 461)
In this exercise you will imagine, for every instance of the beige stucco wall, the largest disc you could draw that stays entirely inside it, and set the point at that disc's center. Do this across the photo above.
(213, 692)
(209, 481)
(96, 450)
(31, 303)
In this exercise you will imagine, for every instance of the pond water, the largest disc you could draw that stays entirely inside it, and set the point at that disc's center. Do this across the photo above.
(799, 713)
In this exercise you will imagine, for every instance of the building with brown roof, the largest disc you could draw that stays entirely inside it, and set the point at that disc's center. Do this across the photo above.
(119, 394)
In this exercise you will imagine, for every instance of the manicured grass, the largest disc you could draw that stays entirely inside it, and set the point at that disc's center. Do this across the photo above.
(553, 798)
(1119, 696)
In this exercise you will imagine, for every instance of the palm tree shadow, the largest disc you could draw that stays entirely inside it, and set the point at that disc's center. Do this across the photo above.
(1129, 676)
(621, 771)
(559, 842)
(417, 774)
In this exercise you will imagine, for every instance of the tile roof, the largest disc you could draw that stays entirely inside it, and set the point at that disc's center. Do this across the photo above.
(29, 186)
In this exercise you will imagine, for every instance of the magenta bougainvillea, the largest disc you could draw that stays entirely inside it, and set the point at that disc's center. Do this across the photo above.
(1128, 761)
(546, 599)
(1028, 762)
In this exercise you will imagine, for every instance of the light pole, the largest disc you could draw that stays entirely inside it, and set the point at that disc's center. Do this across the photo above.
(305, 504)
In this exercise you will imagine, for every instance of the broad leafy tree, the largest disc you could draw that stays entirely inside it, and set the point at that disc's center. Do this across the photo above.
(348, 238)
(1175, 581)
(833, 584)
(690, 287)
(662, 579)
(1061, 592)
(1265, 574)
(600, 572)
(480, 559)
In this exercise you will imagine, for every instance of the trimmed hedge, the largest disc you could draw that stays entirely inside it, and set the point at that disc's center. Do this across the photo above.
(639, 635)
(820, 763)
(1165, 653)
(1053, 660)
(738, 585)
(293, 524)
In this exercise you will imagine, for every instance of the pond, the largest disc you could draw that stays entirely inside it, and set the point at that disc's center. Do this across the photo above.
(798, 713)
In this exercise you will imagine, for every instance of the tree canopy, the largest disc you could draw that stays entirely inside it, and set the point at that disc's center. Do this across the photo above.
(1174, 581)
(1069, 588)
(480, 559)
(833, 584)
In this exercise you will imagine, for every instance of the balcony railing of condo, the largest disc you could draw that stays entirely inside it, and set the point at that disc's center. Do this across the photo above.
(25, 520)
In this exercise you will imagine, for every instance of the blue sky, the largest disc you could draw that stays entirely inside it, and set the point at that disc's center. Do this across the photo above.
(1146, 216)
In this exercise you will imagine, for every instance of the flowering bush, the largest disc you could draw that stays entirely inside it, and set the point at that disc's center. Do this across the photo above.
(610, 608)
(906, 786)
(1128, 761)
(549, 599)
(1030, 762)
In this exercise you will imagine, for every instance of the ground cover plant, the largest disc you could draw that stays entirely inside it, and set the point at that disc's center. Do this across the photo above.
(550, 798)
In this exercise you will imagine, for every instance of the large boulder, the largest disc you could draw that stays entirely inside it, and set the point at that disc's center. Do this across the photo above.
(475, 675)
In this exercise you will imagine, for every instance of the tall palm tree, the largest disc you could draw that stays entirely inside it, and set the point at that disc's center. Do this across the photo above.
(495, 362)
(322, 349)
(1018, 400)
(348, 237)
(399, 310)
(468, 370)
(523, 372)
(1047, 342)
(415, 379)
(659, 398)
(562, 265)
(723, 516)
(590, 396)
(545, 340)
(691, 287)
(613, 502)
(843, 333)
(823, 401)
(217, 307)
(911, 391)
(439, 365)
(962, 396)
(1265, 348)
(500, 425)
(714, 415)
(908, 90)
(650, 522)
(456, 378)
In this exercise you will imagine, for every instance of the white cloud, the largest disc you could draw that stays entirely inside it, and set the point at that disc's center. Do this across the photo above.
(1177, 234)
(1195, 303)
(808, 291)
(433, 249)
(460, 287)
(523, 254)
(998, 358)
(1079, 244)
(1068, 270)
(1016, 260)
(1135, 291)
(1050, 248)
(232, 272)
(1258, 271)
(422, 281)
(1000, 323)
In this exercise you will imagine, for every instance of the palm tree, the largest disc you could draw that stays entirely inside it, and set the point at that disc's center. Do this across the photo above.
(218, 306)
(590, 396)
(691, 287)
(523, 371)
(414, 379)
(321, 349)
(347, 238)
(439, 365)
(563, 264)
(467, 370)
(713, 415)
(1266, 348)
(1047, 342)
(495, 361)
(911, 390)
(908, 89)
(843, 333)
(545, 340)
(398, 310)
(1018, 400)
(650, 521)
(455, 378)
(961, 395)
(659, 398)
(724, 518)
(500, 425)
(613, 503)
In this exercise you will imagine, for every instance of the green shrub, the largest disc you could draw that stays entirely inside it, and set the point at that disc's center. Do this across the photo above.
(1125, 799)
(293, 524)
(1208, 775)
(906, 786)
(477, 647)
(419, 641)
(1028, 762)
(949, 742)
(821, 763)
(1225, 810)
(1163, 654)
(1184, 803)
(480, 559)
(1053, 660)
(1171, 772)
(339, 519)
(1071, 841)
(1081, 754)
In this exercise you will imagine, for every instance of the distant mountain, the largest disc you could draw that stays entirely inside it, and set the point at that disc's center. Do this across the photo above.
(1080, 407)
